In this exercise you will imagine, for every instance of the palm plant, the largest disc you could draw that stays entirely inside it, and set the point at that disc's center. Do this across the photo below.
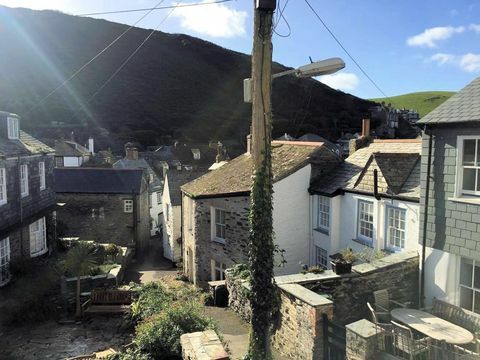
(79, 260)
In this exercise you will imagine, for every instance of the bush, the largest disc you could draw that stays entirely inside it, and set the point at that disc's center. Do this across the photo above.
(130, 355)
(152, 299)
(160, 334)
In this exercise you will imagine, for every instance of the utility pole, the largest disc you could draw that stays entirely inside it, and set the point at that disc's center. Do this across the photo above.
(261, 250)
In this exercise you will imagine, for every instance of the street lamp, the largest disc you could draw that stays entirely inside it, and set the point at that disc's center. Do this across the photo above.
(317, 68)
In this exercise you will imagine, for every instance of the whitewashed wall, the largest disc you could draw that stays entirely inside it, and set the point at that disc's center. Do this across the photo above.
(171, 227)
(154, 211)
(72, 161)
(291, 214)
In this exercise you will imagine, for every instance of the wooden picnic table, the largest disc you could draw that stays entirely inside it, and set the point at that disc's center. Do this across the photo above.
(433, 326)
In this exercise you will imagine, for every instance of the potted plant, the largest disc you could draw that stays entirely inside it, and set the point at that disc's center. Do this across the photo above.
(342, 262)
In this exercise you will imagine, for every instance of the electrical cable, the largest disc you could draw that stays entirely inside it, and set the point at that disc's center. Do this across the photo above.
(281, 16)
(110, 78)
(347, 52)
(78, 71)
(154, 8)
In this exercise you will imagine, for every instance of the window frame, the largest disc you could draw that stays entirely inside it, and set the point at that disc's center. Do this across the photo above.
(5, 254)
(41, 231)
(159, 197)
(360, 237)
(322, 254)
(24, 190)
(3, 186)
(220, 268)
(13, 129)
(475, 291)
(214, 223)
(388, 245)
(128, 206)
(459, 192)
(318, 225)
(41, 174)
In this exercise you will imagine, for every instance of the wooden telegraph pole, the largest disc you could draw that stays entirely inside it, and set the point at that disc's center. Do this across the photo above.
(261, 251)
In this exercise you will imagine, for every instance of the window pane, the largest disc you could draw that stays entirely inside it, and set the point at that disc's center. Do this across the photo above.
(476, 303)
(466, 298)
(476, 277)
(466, 269)
(469, 152)
(469, 179)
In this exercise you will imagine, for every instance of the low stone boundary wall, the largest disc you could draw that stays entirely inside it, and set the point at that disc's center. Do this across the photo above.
(361, 340)
(203, 345)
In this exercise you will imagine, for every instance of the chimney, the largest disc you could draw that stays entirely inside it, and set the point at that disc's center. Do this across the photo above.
(72, 136)
(365, 127)
(131, 153)
(249, 144)
(90, 145)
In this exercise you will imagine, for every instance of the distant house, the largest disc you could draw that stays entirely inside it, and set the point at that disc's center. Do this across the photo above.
(450, 225)
(104, 205)
(215, 210)
(27, 199)
(72, 154)
(349, 211)
(175, 177)
(154, 184)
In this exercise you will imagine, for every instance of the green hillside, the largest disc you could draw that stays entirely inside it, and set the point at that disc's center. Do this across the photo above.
(423, 102)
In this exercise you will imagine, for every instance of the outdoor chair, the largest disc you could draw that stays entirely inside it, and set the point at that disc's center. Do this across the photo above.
(383, 303)
(405, 344)
(465, 354)
(384, 331)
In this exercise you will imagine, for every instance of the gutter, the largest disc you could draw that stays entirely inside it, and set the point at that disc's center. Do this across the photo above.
(425, 218)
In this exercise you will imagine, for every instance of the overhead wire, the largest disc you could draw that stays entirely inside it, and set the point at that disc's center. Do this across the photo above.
(110, 78)
(154, 8)
(347, 52)
(279, 16)
(79, 70)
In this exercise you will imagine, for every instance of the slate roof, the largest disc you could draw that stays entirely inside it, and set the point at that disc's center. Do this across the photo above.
(98, 180)
(24, 146)
(396, 161)
(156, 183)
(464, 106)
(177, 178)
(235, 177)
(70, 149)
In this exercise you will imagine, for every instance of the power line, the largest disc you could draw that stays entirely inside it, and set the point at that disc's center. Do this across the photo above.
(92, 59)
(279, 17)
(347, 52)
(110, 78)
(155, 8)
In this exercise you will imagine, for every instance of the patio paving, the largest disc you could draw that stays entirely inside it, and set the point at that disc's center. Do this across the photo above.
(151, 267)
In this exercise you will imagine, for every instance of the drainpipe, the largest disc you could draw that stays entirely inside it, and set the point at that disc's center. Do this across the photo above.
(425, 217)
(375, 184)
(181, 227)
(135, 219)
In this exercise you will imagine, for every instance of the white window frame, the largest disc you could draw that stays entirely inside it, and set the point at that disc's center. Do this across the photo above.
(128, 206)
(388, 226)
(322, 214)
(475, 291)
(38, 238)
(13, 129)
(216, 225)
(321, 257)
(41, 173)
(366, 240)
(3, 186)
(159, 197)
(459, 192)
(23, 180)
(217, 266)
(4, 260)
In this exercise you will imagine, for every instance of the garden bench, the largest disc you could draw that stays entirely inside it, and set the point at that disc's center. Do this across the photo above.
(108, 302)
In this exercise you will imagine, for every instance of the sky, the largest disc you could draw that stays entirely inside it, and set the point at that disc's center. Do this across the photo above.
(404, 46)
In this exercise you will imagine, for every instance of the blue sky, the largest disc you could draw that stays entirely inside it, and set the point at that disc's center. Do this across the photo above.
(404, 46)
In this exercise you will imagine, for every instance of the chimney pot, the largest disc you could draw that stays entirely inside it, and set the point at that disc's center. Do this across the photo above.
(365, 127)
(249, 144)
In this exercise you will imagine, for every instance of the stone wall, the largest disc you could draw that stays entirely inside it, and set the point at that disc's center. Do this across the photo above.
(361, 340)
(238, 291)
(202, 345)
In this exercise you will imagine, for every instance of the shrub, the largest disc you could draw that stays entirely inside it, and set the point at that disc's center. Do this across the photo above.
(152, 299)
(130, 355)
(160, 334)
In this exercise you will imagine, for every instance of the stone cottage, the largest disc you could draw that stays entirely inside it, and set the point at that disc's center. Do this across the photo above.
(71, 154)
(450, 200)
(215, 209)
(350, 209)
(104, 205)
(27, 199)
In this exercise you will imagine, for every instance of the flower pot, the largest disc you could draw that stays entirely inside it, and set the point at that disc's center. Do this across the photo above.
(341, 267)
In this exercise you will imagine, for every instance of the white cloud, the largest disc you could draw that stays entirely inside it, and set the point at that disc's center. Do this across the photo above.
(475, 27)
(431, 36)
(214, 20)
(470, 62)
(341, 81)
(442, 59)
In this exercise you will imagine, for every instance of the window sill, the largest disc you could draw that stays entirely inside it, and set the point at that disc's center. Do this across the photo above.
(323, 231)
(465, 200)
(365, 242)
(3, 203)
(218, 241)
(44, 251)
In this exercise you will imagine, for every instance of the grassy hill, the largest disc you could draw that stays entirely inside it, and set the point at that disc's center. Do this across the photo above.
(176, 86)
(423, 102)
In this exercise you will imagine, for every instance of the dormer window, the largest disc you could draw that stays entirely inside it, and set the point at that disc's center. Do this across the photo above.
(13, 131)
